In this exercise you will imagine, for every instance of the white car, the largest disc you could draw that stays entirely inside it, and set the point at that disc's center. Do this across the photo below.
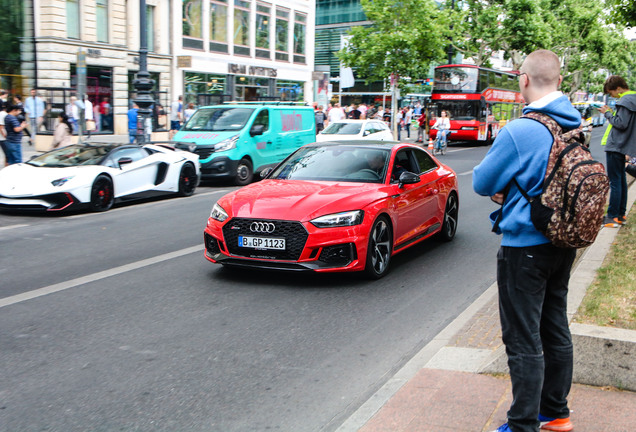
(375, 130)
(96, 176)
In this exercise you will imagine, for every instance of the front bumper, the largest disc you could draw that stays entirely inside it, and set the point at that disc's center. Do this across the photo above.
(51, 202)
(321, 250)
(219, 168)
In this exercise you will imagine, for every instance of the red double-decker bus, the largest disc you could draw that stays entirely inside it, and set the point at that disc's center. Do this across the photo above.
(479, 101)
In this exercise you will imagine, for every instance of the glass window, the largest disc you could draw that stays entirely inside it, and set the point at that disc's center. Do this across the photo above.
(218, 119)
(282, 35)
(342, 129)
(300, 25)
(456, 79)
(150, 28)
(262, 118)
(101, 12)
(218, 21)
(290, 90)
(424, 161)
(262, 25)
(241, 23)
(193, 18)
(72, 19)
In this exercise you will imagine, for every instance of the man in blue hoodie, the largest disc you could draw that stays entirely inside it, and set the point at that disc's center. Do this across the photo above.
(532, 274)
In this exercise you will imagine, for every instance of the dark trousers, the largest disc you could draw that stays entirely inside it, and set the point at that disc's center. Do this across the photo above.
(618, 184)
(533, 287)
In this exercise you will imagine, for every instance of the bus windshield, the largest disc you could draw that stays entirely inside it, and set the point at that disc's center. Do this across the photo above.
(456, 79)
(457, 110)
(218, 119)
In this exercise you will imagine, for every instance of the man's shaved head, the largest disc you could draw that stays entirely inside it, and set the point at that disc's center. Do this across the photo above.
(543, 68)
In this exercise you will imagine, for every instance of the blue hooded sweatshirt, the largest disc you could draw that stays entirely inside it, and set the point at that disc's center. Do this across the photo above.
(521, 151)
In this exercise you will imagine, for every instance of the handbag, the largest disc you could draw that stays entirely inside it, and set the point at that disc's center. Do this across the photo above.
(90, 125)
(630, 169)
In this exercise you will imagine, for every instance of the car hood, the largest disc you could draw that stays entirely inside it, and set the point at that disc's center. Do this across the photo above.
(300, 200)
(28, 180)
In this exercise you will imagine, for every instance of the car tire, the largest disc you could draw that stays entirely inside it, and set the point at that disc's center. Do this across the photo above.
(102, 194)
(187, 180)
(451, 212)
(244, 172)
(379, 249)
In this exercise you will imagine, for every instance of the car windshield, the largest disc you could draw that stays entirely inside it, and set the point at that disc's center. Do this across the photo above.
(342, 129)
(218, 119)
(335, 163)
(73, 155)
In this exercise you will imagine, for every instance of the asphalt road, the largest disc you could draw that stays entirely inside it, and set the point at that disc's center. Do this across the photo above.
(116, 322)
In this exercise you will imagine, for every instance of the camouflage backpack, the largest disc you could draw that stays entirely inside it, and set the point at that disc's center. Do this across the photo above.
(569, 211)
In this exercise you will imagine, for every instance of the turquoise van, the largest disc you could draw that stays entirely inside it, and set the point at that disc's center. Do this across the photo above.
(238, 139)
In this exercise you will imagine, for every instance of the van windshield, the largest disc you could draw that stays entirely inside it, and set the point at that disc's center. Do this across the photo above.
(218, 119)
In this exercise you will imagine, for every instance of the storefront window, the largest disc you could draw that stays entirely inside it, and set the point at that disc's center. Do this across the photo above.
(203, 89)
(99, 89)
(248, 88)
(218, 25)
(290, 90)
(282, 35)
(241, 27)
(192, 24)
(263, 19)
(101, 12)
(150, 28)
(300, 26)
(72, 19)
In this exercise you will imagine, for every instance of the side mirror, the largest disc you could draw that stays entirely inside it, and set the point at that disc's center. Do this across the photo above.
(124, 161)
(408, 178)
(266, 172)
(366, 133)
(257, 130)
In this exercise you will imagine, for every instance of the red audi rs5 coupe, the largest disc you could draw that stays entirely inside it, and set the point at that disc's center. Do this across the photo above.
(336, 206)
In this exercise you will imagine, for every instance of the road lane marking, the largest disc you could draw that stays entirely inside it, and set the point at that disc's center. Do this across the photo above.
(13, 227)
(18, 298)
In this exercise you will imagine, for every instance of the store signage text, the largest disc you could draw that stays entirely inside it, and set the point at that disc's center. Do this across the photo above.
(234, 68)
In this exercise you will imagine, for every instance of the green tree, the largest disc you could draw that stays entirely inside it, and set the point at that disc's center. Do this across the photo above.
(406, 36)
(623, 12)
(514, 26)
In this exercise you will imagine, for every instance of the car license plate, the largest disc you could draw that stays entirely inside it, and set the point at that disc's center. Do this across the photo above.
(261, 242)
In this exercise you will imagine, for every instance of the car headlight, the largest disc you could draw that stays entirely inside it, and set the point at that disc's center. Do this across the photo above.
(227, 144)
(61, 181)
(218, 213)
(349, 218)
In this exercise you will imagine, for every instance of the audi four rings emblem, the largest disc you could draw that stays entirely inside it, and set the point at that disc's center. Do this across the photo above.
(262, 227)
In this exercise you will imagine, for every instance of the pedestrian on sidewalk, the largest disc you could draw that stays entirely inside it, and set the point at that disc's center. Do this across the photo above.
(35, 109)
(619, 141)
(133, 115)
(421, 121)
(3, 132)
(532, 273)
(63, 131)
(14, 129)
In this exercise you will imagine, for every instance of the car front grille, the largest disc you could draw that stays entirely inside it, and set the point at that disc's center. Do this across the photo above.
(204, 152)
(294, 234)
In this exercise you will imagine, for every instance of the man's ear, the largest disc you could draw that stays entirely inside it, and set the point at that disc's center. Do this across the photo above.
(560, 80)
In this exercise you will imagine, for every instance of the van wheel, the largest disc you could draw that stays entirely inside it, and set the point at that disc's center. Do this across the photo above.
(244, 173)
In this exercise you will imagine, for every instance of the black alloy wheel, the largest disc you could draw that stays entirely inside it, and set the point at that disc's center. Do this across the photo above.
(449, 226)
(187, 180)
(244, 172)
(102, 194)
(379, 249)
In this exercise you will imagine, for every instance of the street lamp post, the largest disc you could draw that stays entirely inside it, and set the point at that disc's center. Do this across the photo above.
(143, 84)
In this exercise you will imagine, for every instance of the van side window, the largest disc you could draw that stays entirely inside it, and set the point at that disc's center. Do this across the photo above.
(262, 118)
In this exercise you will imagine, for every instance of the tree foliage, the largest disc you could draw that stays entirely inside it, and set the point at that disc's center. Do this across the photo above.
(406, 36)
(623, 12)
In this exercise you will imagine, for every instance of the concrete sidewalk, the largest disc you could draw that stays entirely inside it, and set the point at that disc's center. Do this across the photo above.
(445, 387)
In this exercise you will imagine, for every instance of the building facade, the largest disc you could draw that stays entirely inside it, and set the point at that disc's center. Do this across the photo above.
(244, 50)
(206, 50)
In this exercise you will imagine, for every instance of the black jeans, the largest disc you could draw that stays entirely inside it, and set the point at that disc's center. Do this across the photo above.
(618, 184)
(533, 287)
